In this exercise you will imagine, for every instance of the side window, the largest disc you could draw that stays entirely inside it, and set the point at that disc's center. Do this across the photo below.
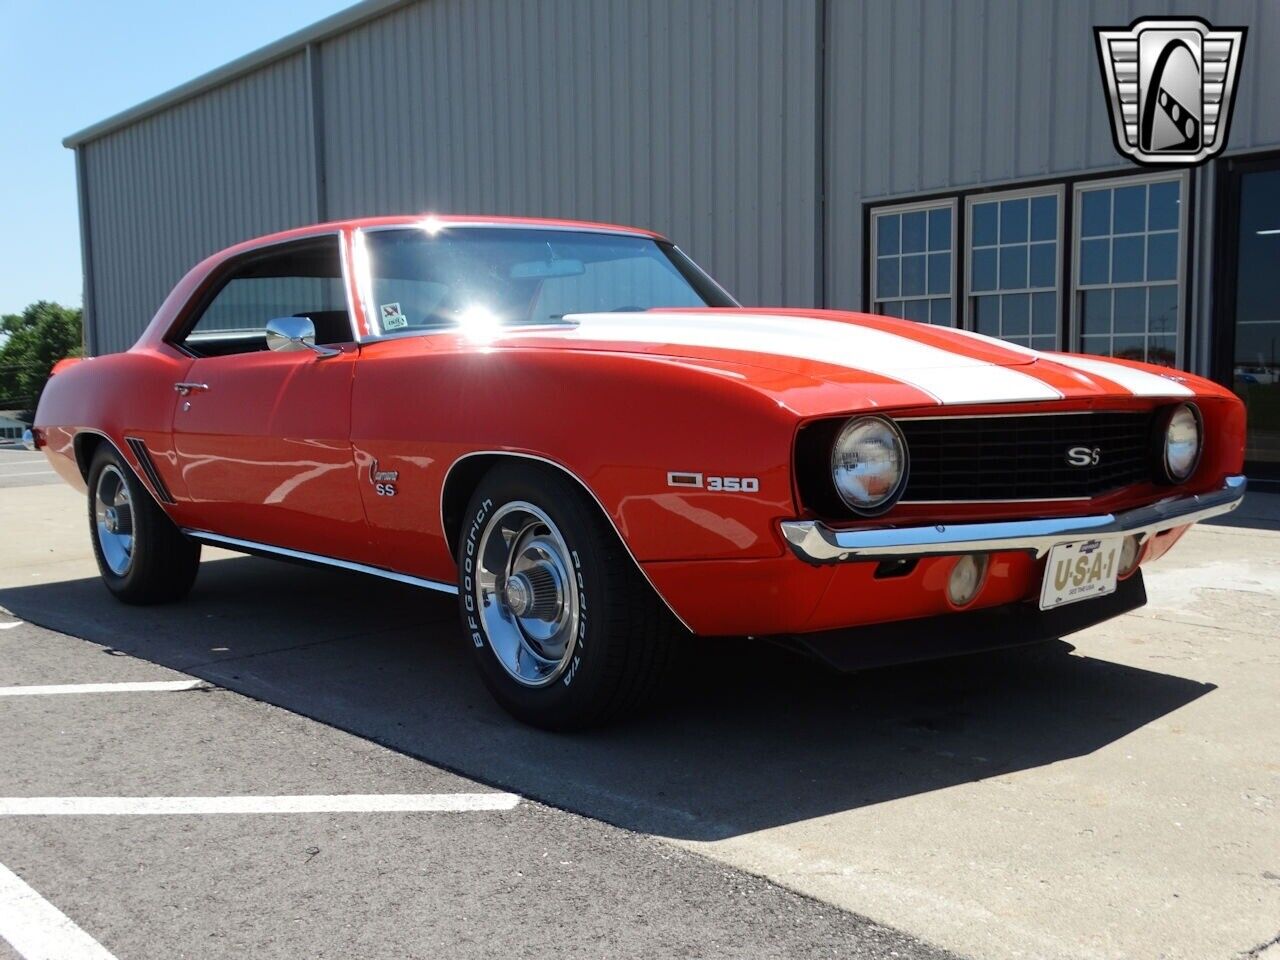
(302, 279)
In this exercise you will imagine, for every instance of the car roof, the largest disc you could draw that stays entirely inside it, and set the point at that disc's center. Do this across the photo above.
(460, 220)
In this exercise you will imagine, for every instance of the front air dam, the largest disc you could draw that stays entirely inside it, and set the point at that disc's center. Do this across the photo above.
(955, 634)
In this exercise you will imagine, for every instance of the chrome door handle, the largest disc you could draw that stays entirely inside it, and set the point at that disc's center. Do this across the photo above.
(186, 389)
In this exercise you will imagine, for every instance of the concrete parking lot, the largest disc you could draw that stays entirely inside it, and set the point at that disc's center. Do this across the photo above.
(1110, 796)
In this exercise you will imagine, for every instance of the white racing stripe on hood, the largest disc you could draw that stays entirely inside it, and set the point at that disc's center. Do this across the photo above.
(1138, 382)
(948, 377)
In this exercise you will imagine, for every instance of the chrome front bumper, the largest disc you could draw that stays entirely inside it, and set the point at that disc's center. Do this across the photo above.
(815, 542)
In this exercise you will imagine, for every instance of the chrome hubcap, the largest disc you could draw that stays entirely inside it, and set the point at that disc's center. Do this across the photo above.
(113, 515)
(526, 594)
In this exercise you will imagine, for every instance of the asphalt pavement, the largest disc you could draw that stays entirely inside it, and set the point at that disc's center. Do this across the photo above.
(1111, 796)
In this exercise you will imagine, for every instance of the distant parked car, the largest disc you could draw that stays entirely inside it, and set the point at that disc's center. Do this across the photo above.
(577, 431)
(1258, 375)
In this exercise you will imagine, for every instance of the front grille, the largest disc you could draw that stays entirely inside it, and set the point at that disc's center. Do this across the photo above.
(1025, 457)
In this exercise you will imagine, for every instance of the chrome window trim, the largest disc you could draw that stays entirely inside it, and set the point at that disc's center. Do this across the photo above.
(969, 318)
(948, 203)
(815, 542)
(444, 485)
(448, 224)
(253, 546)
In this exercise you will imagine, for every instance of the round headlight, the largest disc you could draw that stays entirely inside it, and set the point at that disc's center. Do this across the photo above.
(1181, 443)
(869, 464)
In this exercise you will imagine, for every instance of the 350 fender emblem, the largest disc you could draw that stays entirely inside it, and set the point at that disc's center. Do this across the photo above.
(684, 478)
(1084, 456)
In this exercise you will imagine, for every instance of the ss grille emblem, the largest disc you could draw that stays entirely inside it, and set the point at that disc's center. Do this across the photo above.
(1084, 456)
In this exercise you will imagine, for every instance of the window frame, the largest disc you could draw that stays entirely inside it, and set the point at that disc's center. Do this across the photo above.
(1058, 191)
(950, 203)
(1179, 282)
(221, 275)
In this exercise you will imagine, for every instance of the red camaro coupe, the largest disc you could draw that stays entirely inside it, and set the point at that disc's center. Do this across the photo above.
(578, 432)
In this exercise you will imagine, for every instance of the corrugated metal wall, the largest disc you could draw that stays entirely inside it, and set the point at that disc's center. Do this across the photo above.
(930, 95)
(169, 190)
(694, 117)
(698, 118)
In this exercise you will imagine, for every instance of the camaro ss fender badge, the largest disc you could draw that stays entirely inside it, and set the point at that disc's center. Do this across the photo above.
(1084, 456)
(384, 481)
(678, 478)
(1170, 85)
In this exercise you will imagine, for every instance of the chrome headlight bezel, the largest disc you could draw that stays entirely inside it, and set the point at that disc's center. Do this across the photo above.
(1170, 475)
(891, 432)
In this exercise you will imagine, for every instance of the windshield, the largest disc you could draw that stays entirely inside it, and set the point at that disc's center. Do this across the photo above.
(416, 279)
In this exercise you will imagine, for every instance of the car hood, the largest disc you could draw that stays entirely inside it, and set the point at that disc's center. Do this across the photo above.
(885, 361)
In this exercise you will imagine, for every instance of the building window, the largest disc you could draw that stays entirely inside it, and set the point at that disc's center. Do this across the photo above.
(1012, 282)
(1128, 283)
(913, 262)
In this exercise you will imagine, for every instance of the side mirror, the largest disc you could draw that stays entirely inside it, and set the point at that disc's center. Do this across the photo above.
(289, 334)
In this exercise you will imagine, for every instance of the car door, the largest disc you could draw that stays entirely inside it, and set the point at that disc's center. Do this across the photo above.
(262, 437)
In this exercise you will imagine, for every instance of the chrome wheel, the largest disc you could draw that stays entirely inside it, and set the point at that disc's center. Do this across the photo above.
(527, 594)
(113, 515)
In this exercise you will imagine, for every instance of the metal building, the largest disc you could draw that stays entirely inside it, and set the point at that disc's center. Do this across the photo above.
(846, 153)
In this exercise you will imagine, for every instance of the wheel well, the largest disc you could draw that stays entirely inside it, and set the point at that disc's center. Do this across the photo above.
(465, 474)
(460, 483)
(86, 445)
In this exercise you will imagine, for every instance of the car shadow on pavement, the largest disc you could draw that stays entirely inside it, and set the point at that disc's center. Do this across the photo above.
(748, 737)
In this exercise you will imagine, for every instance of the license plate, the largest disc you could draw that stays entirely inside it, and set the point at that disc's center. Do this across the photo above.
(1080, 570)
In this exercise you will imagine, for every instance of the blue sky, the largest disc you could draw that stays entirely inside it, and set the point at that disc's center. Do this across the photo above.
(65, 65)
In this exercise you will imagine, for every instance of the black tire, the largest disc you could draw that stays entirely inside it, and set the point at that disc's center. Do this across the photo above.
(625, 634)
(162, 563)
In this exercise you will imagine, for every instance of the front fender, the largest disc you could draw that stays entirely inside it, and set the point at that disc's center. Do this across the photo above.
(620, 424)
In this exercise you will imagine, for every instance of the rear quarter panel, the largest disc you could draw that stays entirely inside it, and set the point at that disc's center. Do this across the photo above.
(116, 395)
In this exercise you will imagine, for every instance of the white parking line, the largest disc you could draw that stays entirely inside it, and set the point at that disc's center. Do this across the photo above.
(37, 929)
(10, 626)
(144, 686)
(341, 803)
(5, 472)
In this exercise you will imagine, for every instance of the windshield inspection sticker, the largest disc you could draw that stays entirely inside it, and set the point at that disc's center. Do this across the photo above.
(393, 317)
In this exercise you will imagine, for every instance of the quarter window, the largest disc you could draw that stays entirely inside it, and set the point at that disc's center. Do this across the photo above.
(913, 257)
(1128, 269)
(1013, 267)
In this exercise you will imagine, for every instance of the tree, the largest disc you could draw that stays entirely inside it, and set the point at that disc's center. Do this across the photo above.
(34, 341)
